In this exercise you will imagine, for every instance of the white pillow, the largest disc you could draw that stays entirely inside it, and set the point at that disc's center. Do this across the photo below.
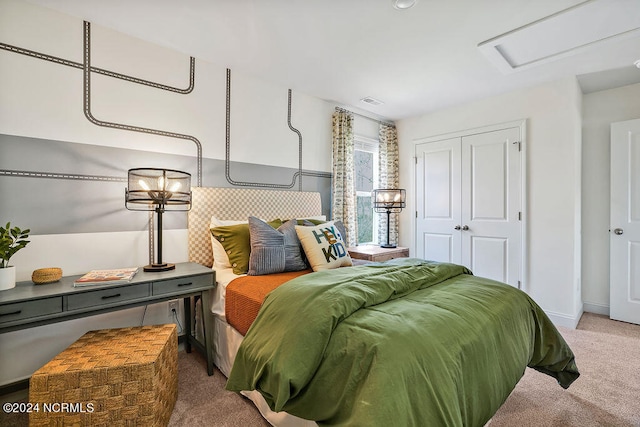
(324, 246)
(220, 257)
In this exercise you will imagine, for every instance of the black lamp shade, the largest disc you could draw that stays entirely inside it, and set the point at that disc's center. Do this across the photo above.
(159, 190)
(149, 188)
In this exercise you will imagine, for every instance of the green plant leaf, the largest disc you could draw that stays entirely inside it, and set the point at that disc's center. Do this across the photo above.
(11, 241)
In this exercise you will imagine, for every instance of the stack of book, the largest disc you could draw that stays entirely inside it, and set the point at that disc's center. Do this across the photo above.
(104, 277)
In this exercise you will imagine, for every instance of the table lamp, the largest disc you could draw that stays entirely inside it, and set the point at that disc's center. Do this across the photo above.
(160, 190)
(388, 200)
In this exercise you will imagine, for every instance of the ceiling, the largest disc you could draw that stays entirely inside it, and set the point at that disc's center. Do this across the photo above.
(414, 61)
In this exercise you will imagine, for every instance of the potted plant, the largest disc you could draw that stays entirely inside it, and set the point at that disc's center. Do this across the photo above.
(11, 241)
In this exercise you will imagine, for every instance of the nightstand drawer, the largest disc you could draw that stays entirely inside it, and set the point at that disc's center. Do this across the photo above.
(27, 309)
(390, 255)
(181, 285)
(107, 296)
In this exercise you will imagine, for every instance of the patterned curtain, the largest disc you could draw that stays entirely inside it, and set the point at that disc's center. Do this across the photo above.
(388, 178)
(344, 188)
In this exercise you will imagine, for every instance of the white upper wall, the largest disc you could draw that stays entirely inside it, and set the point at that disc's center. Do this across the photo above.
(44, 100)
(553, 174)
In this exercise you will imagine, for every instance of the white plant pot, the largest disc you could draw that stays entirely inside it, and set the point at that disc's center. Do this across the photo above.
(7, 278)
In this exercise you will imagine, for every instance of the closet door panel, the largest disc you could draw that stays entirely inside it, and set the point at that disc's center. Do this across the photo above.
(490, 194)
(488, 177)
(438, 201)
(489, 257)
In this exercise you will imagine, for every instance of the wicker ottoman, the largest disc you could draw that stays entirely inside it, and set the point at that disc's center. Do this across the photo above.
(111, 377)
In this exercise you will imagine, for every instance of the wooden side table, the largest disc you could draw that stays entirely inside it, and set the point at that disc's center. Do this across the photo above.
(376, 253)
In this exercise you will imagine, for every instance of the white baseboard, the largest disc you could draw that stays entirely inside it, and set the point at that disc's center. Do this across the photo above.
(592, 307)
(565, 320)
(561, 319)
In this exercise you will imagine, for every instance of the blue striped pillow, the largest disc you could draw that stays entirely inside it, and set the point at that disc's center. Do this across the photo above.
(274, 251)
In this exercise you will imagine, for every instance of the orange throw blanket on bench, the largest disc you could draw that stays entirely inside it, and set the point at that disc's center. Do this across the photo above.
(245, 295)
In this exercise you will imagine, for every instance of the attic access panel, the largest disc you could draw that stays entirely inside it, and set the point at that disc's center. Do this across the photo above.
(570, 31)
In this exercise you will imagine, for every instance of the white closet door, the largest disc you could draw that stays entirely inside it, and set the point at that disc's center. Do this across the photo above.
(438, 201)
(468, 202)
(490, 192)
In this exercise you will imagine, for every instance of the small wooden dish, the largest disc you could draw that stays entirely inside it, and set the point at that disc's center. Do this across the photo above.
(42, 276)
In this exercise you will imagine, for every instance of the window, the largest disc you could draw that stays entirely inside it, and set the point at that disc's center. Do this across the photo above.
(366, 177)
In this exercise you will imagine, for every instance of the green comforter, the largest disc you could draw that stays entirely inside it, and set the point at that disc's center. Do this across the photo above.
(406, 342)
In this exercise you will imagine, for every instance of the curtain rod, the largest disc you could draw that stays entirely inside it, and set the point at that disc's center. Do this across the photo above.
(383, 122)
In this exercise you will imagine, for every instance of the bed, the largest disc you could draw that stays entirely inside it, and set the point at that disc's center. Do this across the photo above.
(403, 342)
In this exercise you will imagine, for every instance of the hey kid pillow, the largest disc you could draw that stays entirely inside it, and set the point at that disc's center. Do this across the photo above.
(324, 246)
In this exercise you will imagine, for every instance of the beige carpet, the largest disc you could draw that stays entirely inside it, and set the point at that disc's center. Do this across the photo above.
(606, 394)
(203, 401)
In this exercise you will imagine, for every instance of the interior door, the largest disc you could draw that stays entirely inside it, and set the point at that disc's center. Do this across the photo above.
(438, 201)
(625, 222)
(491, 204)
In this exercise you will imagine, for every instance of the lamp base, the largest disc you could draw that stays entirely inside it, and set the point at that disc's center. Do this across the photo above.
(388, 246)
(159, 267)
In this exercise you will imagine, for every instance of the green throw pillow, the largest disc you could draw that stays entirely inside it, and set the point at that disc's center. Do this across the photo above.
(236, 241)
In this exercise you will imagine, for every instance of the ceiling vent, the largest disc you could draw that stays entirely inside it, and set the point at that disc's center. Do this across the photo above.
(372, 101)
(565, 33)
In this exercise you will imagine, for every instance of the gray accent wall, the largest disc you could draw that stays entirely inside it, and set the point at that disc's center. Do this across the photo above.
(90, 198)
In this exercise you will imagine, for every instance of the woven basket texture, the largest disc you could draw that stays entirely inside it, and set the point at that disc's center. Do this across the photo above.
(42, 276)
(114, 377)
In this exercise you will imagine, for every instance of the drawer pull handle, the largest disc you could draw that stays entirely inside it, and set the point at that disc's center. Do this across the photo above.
(111, 296)
(12, 313)
(184, 284)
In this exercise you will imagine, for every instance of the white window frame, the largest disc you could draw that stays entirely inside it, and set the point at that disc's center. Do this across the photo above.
(370, 145)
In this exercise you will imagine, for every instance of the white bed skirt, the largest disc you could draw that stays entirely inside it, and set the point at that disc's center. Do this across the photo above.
(226, 343)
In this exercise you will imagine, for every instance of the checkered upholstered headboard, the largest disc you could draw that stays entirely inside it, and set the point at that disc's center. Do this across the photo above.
(238, 204)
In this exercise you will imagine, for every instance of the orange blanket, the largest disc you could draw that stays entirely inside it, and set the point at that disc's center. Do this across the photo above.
(245, 295)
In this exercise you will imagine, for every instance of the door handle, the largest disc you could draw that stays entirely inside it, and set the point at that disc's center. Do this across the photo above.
(465, 227)
(457, 227)
(618, 231)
